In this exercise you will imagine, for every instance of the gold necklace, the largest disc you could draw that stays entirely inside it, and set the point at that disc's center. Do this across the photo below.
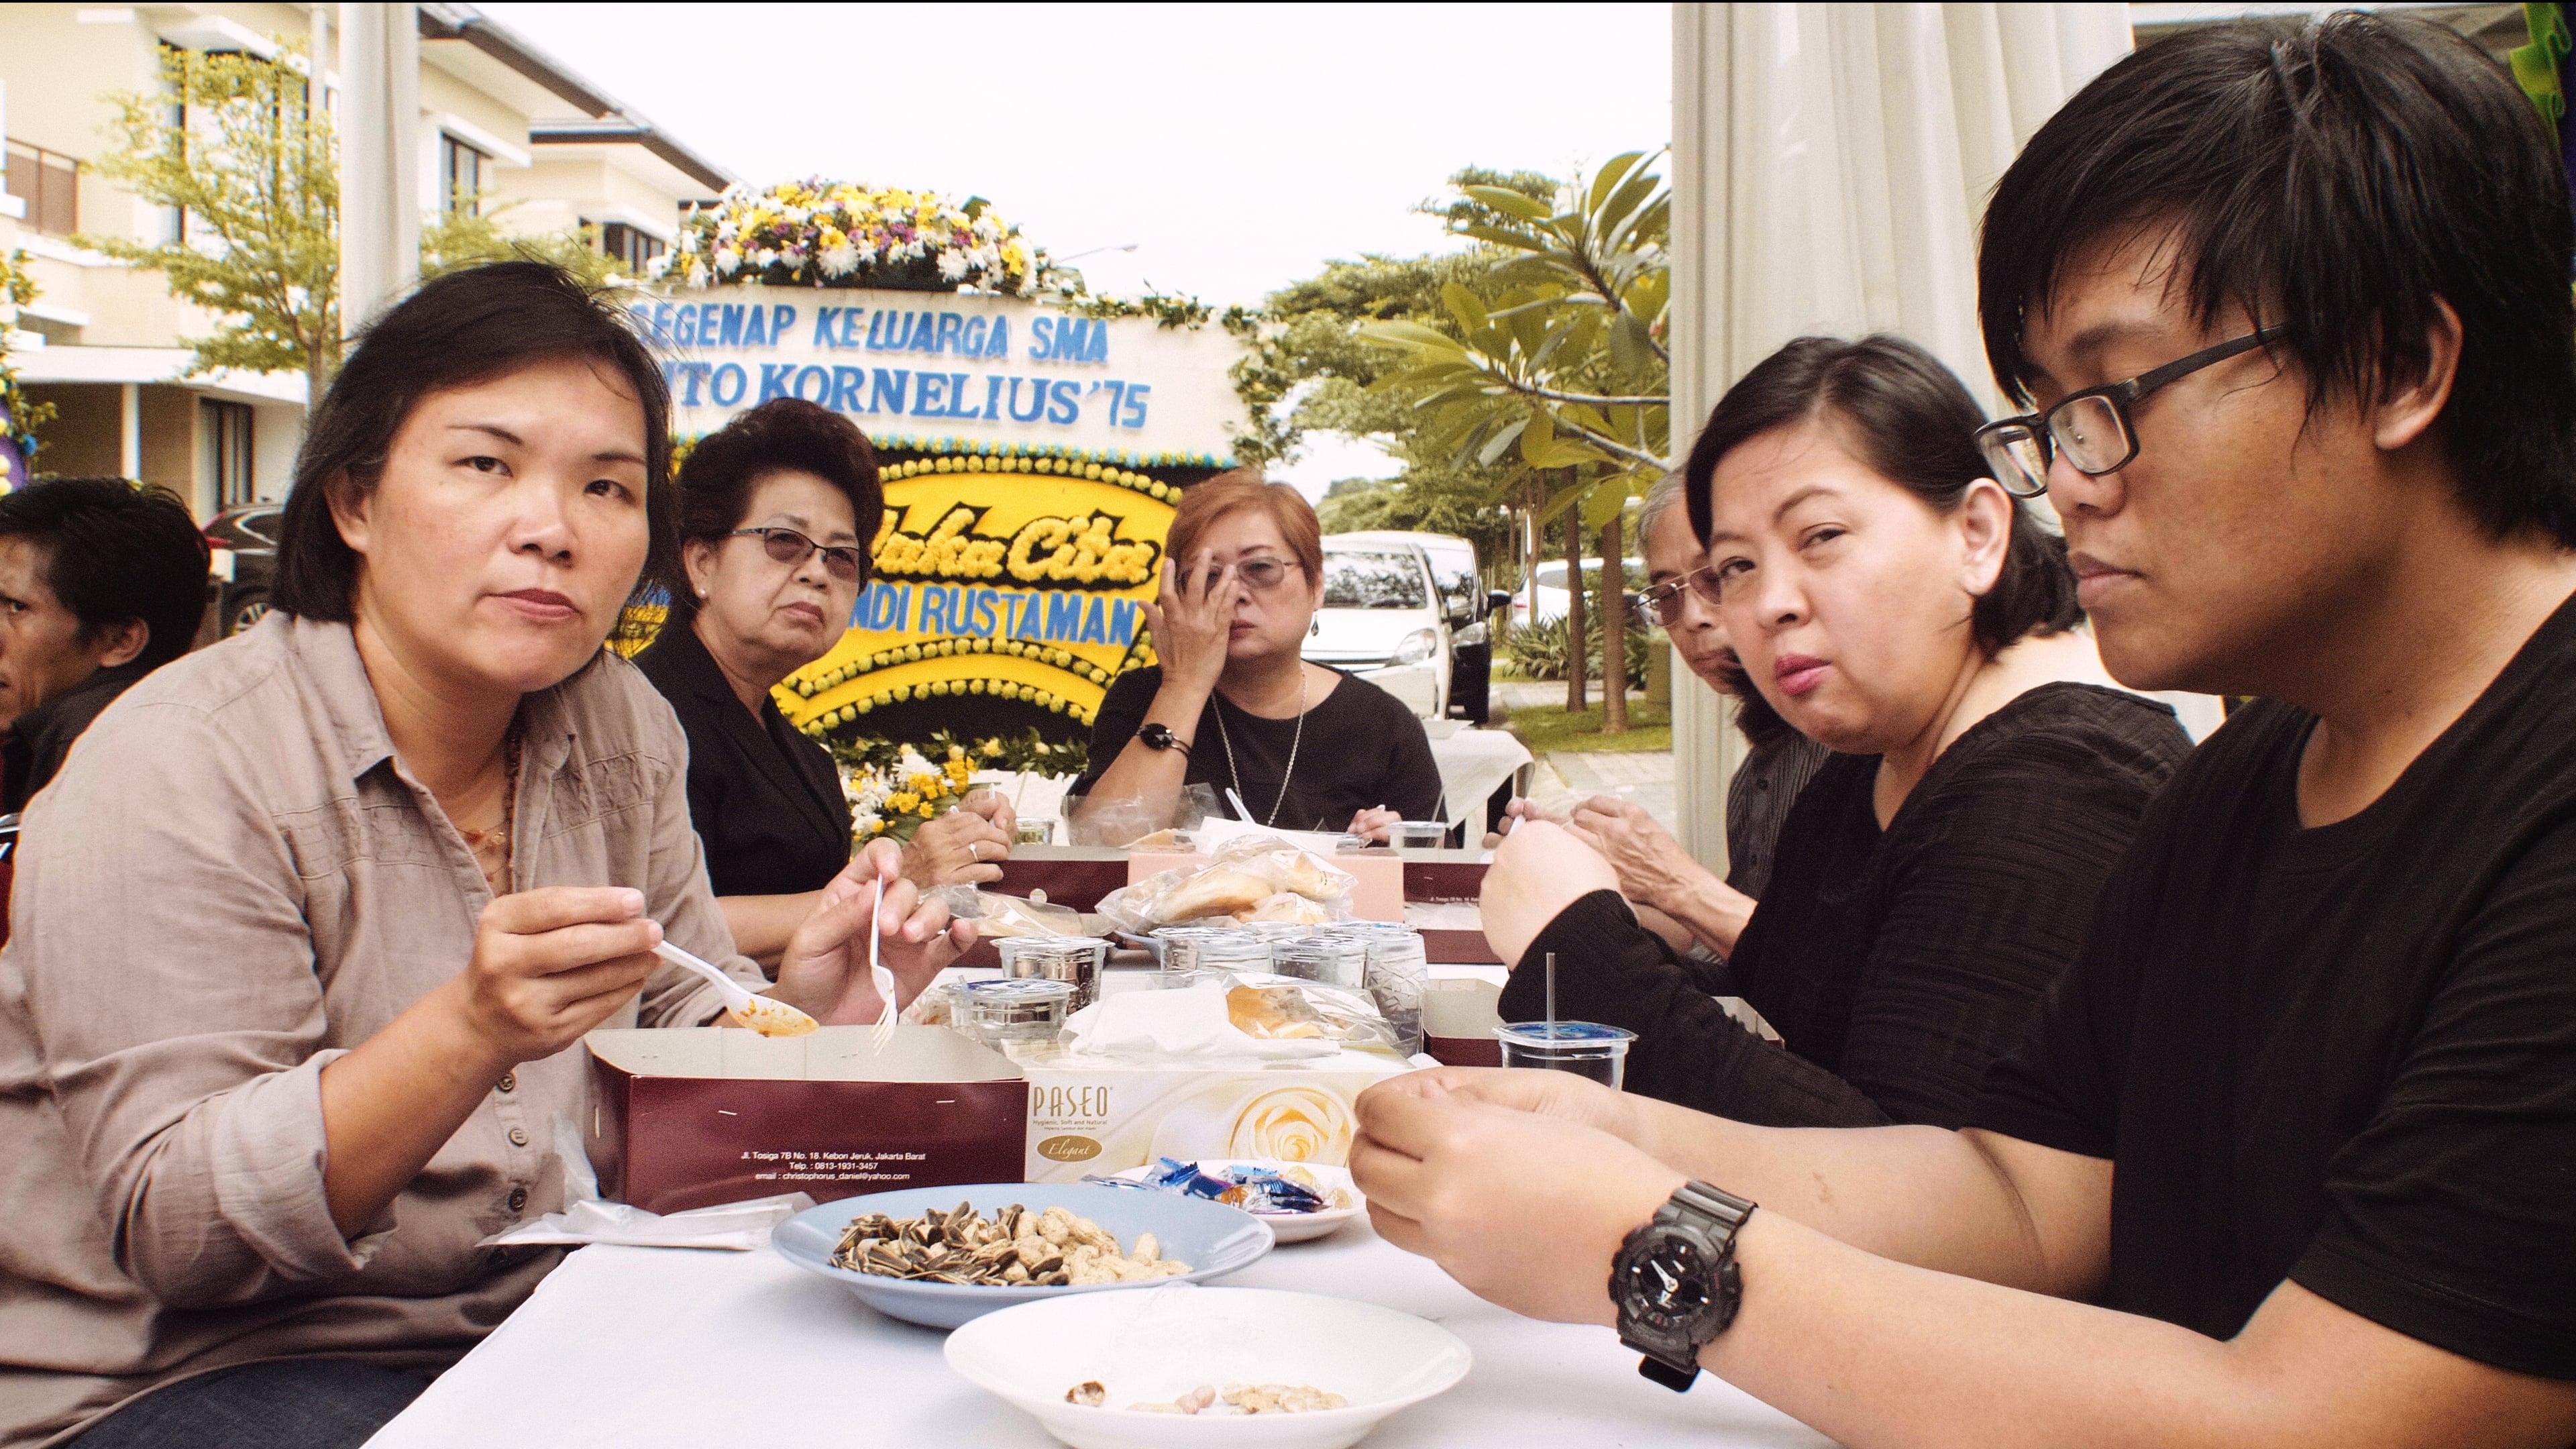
(496, 864)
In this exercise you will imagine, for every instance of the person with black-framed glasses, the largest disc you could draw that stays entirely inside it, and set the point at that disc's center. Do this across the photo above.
(2284, 1157)
(777, 513)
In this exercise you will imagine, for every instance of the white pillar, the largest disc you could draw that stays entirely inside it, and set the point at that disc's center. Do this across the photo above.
(379, 158)
(325, 59)
(129, 436)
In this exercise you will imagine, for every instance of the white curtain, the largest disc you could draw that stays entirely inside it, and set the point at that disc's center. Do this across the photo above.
(379, 158)
(1830, 164)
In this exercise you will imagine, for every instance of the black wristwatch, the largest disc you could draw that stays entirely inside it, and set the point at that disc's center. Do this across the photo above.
(1160, 737)
(1676, 1284)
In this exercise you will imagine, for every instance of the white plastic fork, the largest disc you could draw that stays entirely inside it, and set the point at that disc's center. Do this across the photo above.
(764, 1014)
(880, 977)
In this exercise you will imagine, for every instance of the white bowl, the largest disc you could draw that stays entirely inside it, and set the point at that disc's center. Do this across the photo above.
(1286, 1227)
(1154, 1346)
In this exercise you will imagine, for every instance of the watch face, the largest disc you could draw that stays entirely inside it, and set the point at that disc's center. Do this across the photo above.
(1671, 1287)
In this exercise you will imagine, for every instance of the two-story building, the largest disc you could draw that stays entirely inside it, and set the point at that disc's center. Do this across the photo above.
(499, 120)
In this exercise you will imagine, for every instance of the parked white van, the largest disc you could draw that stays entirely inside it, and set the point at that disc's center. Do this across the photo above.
(1382, 619)
(1465, 602)
(1552, 596)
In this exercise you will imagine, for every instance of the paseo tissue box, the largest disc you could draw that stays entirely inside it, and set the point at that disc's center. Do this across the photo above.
(685, 1118)
(1097, 1114)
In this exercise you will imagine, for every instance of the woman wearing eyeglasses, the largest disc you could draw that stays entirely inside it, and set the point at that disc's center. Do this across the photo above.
(1898, 605)
(1682, 900)
(1233, 704)
(777, 513)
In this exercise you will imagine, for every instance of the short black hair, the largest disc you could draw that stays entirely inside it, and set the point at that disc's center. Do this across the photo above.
(114, 552)
(717, 479)
(2332, 178)
(1912, 421)
(464, 327)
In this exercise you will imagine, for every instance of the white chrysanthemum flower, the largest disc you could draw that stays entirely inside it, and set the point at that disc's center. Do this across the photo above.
(728, 260)
(795, 215)
(952, 264)
(986, 227)
(659, 267)
(697, 272)
(766, 256)
(726, 230)
(840, 261)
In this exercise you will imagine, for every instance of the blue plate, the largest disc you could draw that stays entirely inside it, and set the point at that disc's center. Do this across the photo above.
(1212, 1238)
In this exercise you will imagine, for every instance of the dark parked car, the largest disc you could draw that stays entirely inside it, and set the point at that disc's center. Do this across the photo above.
(243, 559)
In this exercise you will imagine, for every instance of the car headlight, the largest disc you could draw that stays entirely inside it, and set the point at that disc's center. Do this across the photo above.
(1417, 646)
(1472, 634)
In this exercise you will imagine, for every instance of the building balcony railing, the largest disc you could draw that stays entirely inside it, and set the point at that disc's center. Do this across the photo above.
(49, 182)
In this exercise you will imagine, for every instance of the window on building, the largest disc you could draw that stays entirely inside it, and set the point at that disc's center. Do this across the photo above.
(630, 247)
(49, 182)
(460, 173)
(224, 441)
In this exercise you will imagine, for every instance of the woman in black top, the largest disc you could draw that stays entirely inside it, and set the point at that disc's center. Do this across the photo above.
(1233, 705)
(1894, 603)
(776, 515)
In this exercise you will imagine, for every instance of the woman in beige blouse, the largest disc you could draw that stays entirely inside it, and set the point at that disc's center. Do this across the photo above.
(312, 922)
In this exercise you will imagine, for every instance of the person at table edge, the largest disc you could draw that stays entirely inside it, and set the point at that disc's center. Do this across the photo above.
(1232, 704)
(312, 922)
(1696, 912)
(777, 512)
(1894, 602)
(2284, 1158)
(101, 582)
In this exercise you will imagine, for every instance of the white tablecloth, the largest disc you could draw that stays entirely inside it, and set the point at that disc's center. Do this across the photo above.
(642, 1347)
(1473, 765)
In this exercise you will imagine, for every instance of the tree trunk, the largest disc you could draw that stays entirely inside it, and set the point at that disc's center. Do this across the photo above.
(1614, 630)
(1576, 662)
(1533, 548)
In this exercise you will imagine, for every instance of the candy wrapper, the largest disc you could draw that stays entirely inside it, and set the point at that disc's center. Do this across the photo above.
(1244, 882)
(999, 917)
(1253, 1189)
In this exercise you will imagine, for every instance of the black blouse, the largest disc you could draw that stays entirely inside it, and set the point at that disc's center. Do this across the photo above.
(1896, 964)
(765, 799)
(1358, 749)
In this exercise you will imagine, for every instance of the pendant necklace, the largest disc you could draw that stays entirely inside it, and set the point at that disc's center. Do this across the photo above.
(1294, 739)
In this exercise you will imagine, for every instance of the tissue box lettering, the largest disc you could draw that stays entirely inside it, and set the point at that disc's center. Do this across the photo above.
(687, 1118)
(1093, 1114)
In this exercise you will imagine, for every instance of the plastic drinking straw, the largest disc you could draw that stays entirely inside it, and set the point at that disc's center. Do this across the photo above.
(1551, 996)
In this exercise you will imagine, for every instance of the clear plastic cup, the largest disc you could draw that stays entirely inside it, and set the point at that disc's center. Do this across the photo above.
(1039, 830)
(1584, 1048)
(1419, 834)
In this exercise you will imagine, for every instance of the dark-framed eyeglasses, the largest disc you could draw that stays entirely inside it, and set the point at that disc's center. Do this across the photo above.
(1662, 603)
(2092, 428)
(787, 546)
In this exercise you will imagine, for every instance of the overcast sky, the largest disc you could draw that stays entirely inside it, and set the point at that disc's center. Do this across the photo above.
(1239, 147)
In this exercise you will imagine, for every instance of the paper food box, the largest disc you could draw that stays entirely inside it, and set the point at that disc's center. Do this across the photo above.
(690, 1117)
(1103, 1114)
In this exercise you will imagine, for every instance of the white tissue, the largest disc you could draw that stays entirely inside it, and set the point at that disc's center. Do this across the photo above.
(741, 1226)
(1184, 1023)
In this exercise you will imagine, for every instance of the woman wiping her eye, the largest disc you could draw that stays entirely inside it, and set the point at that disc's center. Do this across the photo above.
(1232, 705)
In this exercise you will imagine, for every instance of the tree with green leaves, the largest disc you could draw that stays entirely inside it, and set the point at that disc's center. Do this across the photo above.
(233, 144)
(232, 141)
(1560, 357)
(20, 415)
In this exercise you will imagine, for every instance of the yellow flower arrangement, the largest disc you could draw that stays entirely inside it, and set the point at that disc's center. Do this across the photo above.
(831, 233)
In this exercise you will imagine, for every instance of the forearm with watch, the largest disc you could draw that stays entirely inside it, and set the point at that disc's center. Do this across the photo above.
(1155, 761)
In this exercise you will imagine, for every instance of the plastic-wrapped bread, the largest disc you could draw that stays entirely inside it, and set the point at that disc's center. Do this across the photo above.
(1216, 891)
(1288, 907)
